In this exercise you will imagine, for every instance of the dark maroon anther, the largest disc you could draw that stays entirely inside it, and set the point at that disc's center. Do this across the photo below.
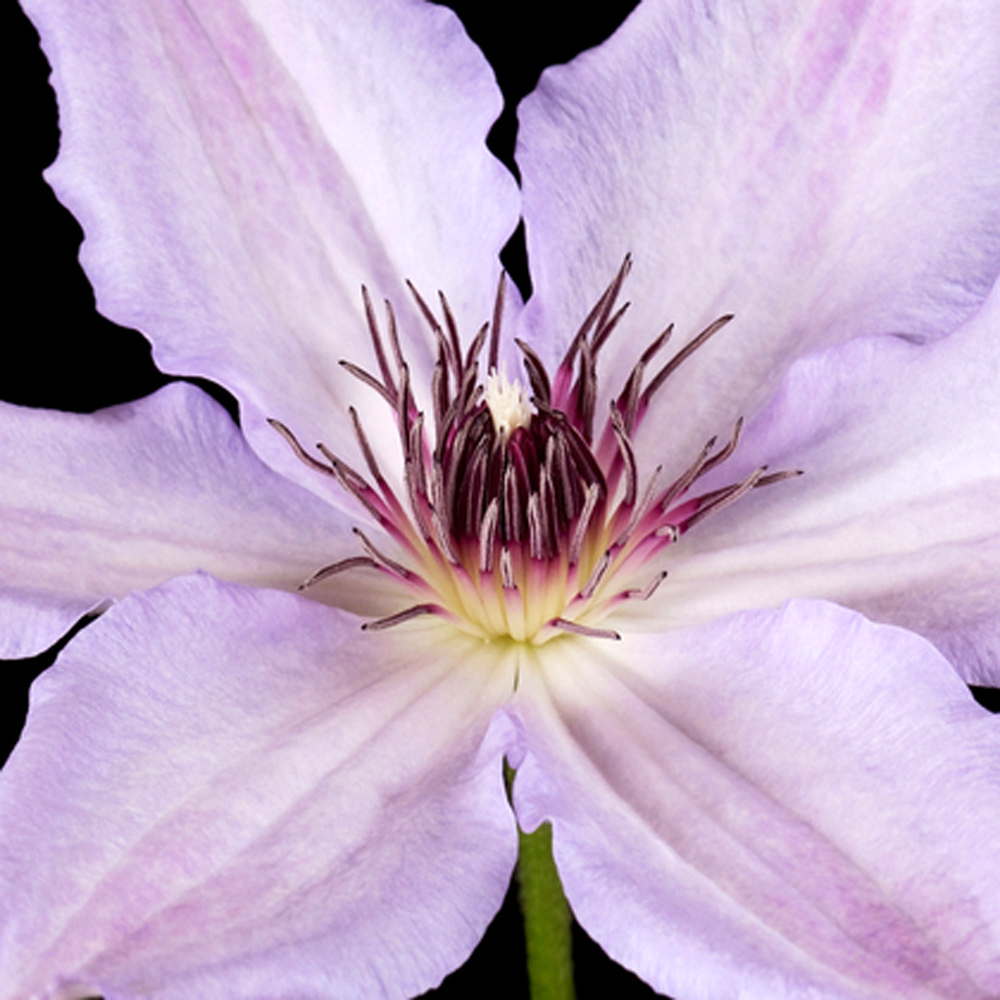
(513, 521)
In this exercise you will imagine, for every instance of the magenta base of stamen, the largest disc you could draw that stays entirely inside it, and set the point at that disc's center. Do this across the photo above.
(517, 524)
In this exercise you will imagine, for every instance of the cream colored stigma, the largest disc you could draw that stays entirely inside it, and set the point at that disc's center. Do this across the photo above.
(507, 403)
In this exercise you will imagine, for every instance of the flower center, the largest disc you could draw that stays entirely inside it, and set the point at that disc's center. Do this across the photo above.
(507, 404)
(519, 521)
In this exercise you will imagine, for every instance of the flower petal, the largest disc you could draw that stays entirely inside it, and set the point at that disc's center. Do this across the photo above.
(764, 159)
(898, 513)
(31, 621)
(274, 804)
(781, 804)
(241, 168)
(95, 506)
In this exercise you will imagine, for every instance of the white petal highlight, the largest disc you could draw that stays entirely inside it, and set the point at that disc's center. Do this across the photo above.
(782, 804)
(232, 792)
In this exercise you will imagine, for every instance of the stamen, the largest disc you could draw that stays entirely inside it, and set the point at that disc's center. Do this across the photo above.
(582, 528)
(513, 508)
(297, 449)
(427, 313)
(535, 528)
(597, 315)
(645, 593)
(402, 616)
(352, 562)
(383, 560)
(628, 401)
(472, 510)
(469, 392)
(568, 489)
(606, 329)
(547, 507)
(361, 492)
(508, 500)
(413, 473)
(415, 446)
(493, 358)
(448, 358)
(778, 477)
(593, 582)
(538, 378)
(366, 450)
(723, 498)
(449, 321)
(641, 508)
(601, 327)
(439, 397)
(682, 484)
(656, 345)
(627, 456)
(376, 339)
(487, 536)
(444, 538)
(475, 348)
(587, 630)
(681, 356)
(719, 457)
(507, 570)
(404, 404)
(343, 470)
(352, 482)
(587, 392)
(369, 380)
(397, 351)
(456, 474)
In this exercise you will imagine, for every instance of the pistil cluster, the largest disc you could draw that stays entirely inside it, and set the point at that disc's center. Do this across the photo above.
(520, 518)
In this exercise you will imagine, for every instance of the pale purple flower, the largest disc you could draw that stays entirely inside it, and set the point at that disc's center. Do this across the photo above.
(226, 790)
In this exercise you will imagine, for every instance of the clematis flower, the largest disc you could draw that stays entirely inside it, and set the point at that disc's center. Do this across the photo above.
(273, 766)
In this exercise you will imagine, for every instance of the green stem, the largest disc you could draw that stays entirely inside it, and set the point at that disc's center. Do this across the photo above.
(546, 918)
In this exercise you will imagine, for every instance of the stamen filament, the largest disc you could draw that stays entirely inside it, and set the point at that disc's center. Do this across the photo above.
(587, 630)
(351, 562)
(408, 614)
(514, 522)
